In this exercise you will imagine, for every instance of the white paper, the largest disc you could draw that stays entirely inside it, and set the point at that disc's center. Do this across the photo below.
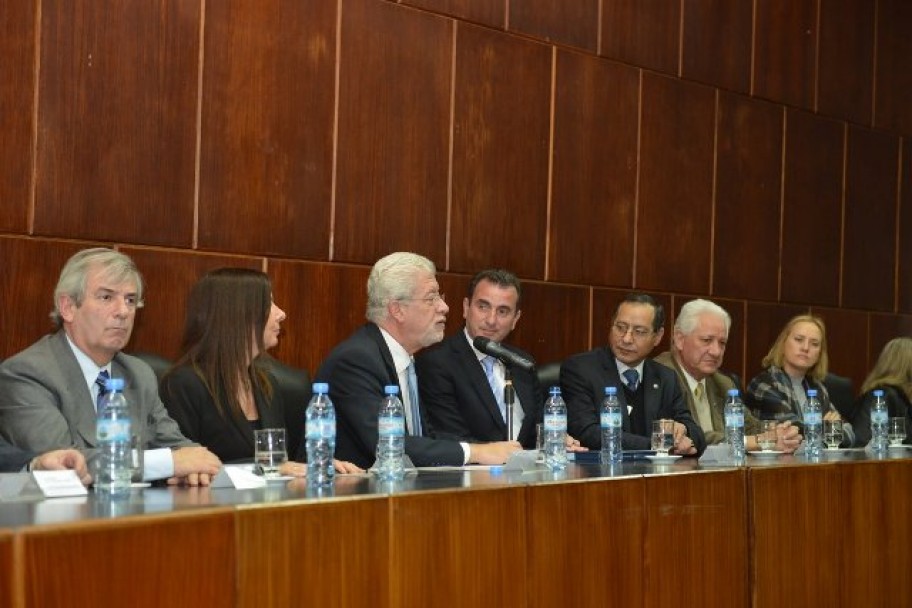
(59, 483)
(240, 477)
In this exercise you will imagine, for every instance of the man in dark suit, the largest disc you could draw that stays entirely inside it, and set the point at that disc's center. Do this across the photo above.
(406, 312)
(649, 391)
(14, 460)
(462, 388)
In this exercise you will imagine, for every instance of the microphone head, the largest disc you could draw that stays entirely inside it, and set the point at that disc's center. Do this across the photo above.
(481, 343)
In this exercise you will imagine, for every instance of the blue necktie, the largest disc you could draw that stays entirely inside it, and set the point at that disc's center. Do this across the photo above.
(101, 381)
(413, 400)
(488, 363)
(633, 379)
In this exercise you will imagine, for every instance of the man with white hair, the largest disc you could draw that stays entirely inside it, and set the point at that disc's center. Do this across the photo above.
(406, 312)
(697, 349)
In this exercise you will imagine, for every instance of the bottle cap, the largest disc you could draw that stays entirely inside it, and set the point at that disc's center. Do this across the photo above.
(320, 388)
(733, 392)
(554, 390)
(390, 389)
(878, 393)
(611, 390)
(812, 392)
(114, 384)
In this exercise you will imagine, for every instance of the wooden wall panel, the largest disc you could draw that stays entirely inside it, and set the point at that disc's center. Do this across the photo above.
(748, 197)
(30, 272)
(17, 114)
(898, 563)
(169, 276)
(812, 224)
(555, 321)
(904, 230)
(847, 342)
(646, 34)
(893, 94)
(685, 515)
(153, 561)
(763, 324)
(325, 303)
(394, 114)
(846, 59)
(674, 225)
(486, 12)
(869, 246)
(267, 116)
(117, 116)
(337, 551)
(572, 512)
(9, 595)
(717, 43)
(785, 47)
(500, 153)
(884, 328)
(593, 199)
(557, 21)
(606, 301)
(430, 534)
(734, 350)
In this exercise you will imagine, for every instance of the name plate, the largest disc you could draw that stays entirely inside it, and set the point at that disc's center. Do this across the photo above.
(40, 484)
(239, 477)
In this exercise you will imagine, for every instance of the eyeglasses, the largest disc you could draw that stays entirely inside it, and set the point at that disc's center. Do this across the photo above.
(429, 299)
(639, 333)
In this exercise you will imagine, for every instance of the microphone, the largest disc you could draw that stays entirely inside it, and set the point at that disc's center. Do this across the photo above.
(496, 349)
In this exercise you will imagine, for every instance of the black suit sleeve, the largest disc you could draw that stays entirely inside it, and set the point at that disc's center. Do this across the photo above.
(13, 459)
(582, 408)
(439, 399)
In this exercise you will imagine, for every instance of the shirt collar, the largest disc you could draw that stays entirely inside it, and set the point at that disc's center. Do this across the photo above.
(480, 355)
(623, 368)
(401, 358)
(89, 368)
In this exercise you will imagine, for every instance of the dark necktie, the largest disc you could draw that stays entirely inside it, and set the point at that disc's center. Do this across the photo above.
(101, 381)
(633, 379)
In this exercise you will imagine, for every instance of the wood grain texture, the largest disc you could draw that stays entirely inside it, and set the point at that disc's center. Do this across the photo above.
(884, 328)
(500, 153)
(893, 94)
(587, 531)
(674, 225)
(266, 158)
(812, 221)
(117, 120)
(846, 60)
(904, 245)
(686, 515)
(785, 42)
(169, 276)
(595, 166)
(433, 533)
(485, 12)
(872, 182)
(748, 197)
(646, 34)
(10, 593)
(567, 23)
(554, 322)
(146, 559)
(17, 115)
(717, 43)
(394, 116)
(847, 341)
(295, 554)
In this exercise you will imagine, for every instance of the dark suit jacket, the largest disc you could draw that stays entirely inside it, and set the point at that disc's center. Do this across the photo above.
(898, 406)
(230, 438)
(458, 401)
(12, 459)
(583, 381)
(357, 370)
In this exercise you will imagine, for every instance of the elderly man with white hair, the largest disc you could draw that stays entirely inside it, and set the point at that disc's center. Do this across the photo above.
(697, 350)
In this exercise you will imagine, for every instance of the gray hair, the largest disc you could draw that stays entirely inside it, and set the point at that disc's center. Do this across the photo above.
(686, 321)
(117, 268)
(393, 278)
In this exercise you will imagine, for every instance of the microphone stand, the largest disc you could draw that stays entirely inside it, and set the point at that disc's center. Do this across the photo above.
(509, 399)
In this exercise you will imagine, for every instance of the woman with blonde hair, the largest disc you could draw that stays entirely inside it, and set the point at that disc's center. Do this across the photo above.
(795, 363)
(893, 375)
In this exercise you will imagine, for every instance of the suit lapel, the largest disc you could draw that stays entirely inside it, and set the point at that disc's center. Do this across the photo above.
(78, 405)
(652, 390)
(606, 357)
(477, 378)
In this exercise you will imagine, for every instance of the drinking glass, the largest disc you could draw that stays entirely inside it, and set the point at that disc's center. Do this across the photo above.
(896, 432)
(662, 436)
(768, 436)
(832, 433)
(269, 451)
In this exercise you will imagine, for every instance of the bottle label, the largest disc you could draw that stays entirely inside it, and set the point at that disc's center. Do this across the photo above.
(734, 420)
(555, 423)
(320, 429)
(391, 426)
(112, 430)
(611, 420)
(813, 418)
(879, 416)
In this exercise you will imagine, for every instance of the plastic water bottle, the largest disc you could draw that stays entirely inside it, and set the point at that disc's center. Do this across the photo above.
(611, 427)
(734, 425)
(114, 463)
(320, 432)
(391, 436)
(879, 417)
(813, 426)
(555, 431)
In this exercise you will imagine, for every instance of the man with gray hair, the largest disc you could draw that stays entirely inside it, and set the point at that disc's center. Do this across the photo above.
(49, 392)
(406, 312)
(697, 349)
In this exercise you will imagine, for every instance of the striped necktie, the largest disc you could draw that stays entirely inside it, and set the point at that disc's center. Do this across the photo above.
(413, 400)
(101, 381)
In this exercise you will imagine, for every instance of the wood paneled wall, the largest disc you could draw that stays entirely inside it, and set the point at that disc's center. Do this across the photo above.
(753, 151)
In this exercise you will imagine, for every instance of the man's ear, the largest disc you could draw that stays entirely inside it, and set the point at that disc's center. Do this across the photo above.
(66, 306)
(658, 337)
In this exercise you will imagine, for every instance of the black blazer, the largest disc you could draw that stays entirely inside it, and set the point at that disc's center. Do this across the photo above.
(898, 406)
(583, 381)
(458, 401)
(357, 370)
(12, 459)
